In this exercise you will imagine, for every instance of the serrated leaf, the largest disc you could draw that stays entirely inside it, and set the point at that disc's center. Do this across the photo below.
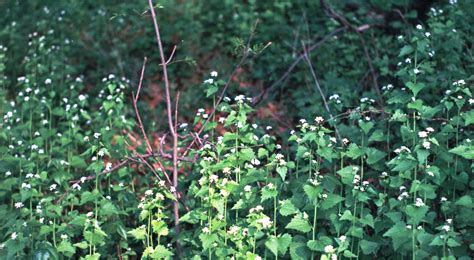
(299, 223)
(368, 247)
(278, 245)
(465, 201)
(282, 172)
(466, 151)
(287, 208)
(161, 252)
(374, 155)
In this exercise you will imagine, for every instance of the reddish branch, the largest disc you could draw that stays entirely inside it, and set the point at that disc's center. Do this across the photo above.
(135, 99)
(170, 120)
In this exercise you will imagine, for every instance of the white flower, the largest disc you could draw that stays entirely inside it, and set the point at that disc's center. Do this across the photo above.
(8, 173)
(419, 27)
(14, 235)
(427, 34)
(265, 222)
(248, 188)
(319, 119)
(101, 153)
(214, 73)
(430, 173)
(329, 249)
(423, 134)
(342, 238)
(416, 71)
(149, 193)
(213, 178)
(430, 129)
(233, 230)
(90, 214)
(443, 199)
(206, 230)
(446, 228)
(63, 236)
(449, 220)
(226, 170)
(426, 145)
(26, 186)
(407, 60)
(209, 81)
(408, 226)
(255, 161)
(41, 220)
(402, 149)
(76, 186)
(63, 162)
(47, 81)
(96, 135)
(419, 202)
(19, 205)
(471, 101)
(53, 186)
(82, 97)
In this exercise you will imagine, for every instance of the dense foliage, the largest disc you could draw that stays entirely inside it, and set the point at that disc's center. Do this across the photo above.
(344, 132)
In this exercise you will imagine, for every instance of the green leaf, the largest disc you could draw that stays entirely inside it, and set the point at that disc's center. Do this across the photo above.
(368, 247)
(354, 151)
(453, 243)
(287, 208)
(406, 50)
(282, 172)
(268, 193)
(374, 155)
(108, 209)
(138, 233)
(415, 88)
(366, 126)
(468, 117)
(377, 136)
(262, 153)
(466, 151)
(312, 192)
(159, 227)
(82, 245)
(319, 244)
(465, 201)
(247, 154)
(88, 196)
(331, 201)
(161, 252)
(66, 248)
(193, 216)
(211, 90)
(278, 245)
(299, 223)
(207, 240)
(416, 214)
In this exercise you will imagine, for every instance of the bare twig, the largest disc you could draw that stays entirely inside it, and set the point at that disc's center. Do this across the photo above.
(345, 22)
(226, 86)
(318, 86)
(257, 99)
(171, 56)
(170, 122)
(137, 113)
